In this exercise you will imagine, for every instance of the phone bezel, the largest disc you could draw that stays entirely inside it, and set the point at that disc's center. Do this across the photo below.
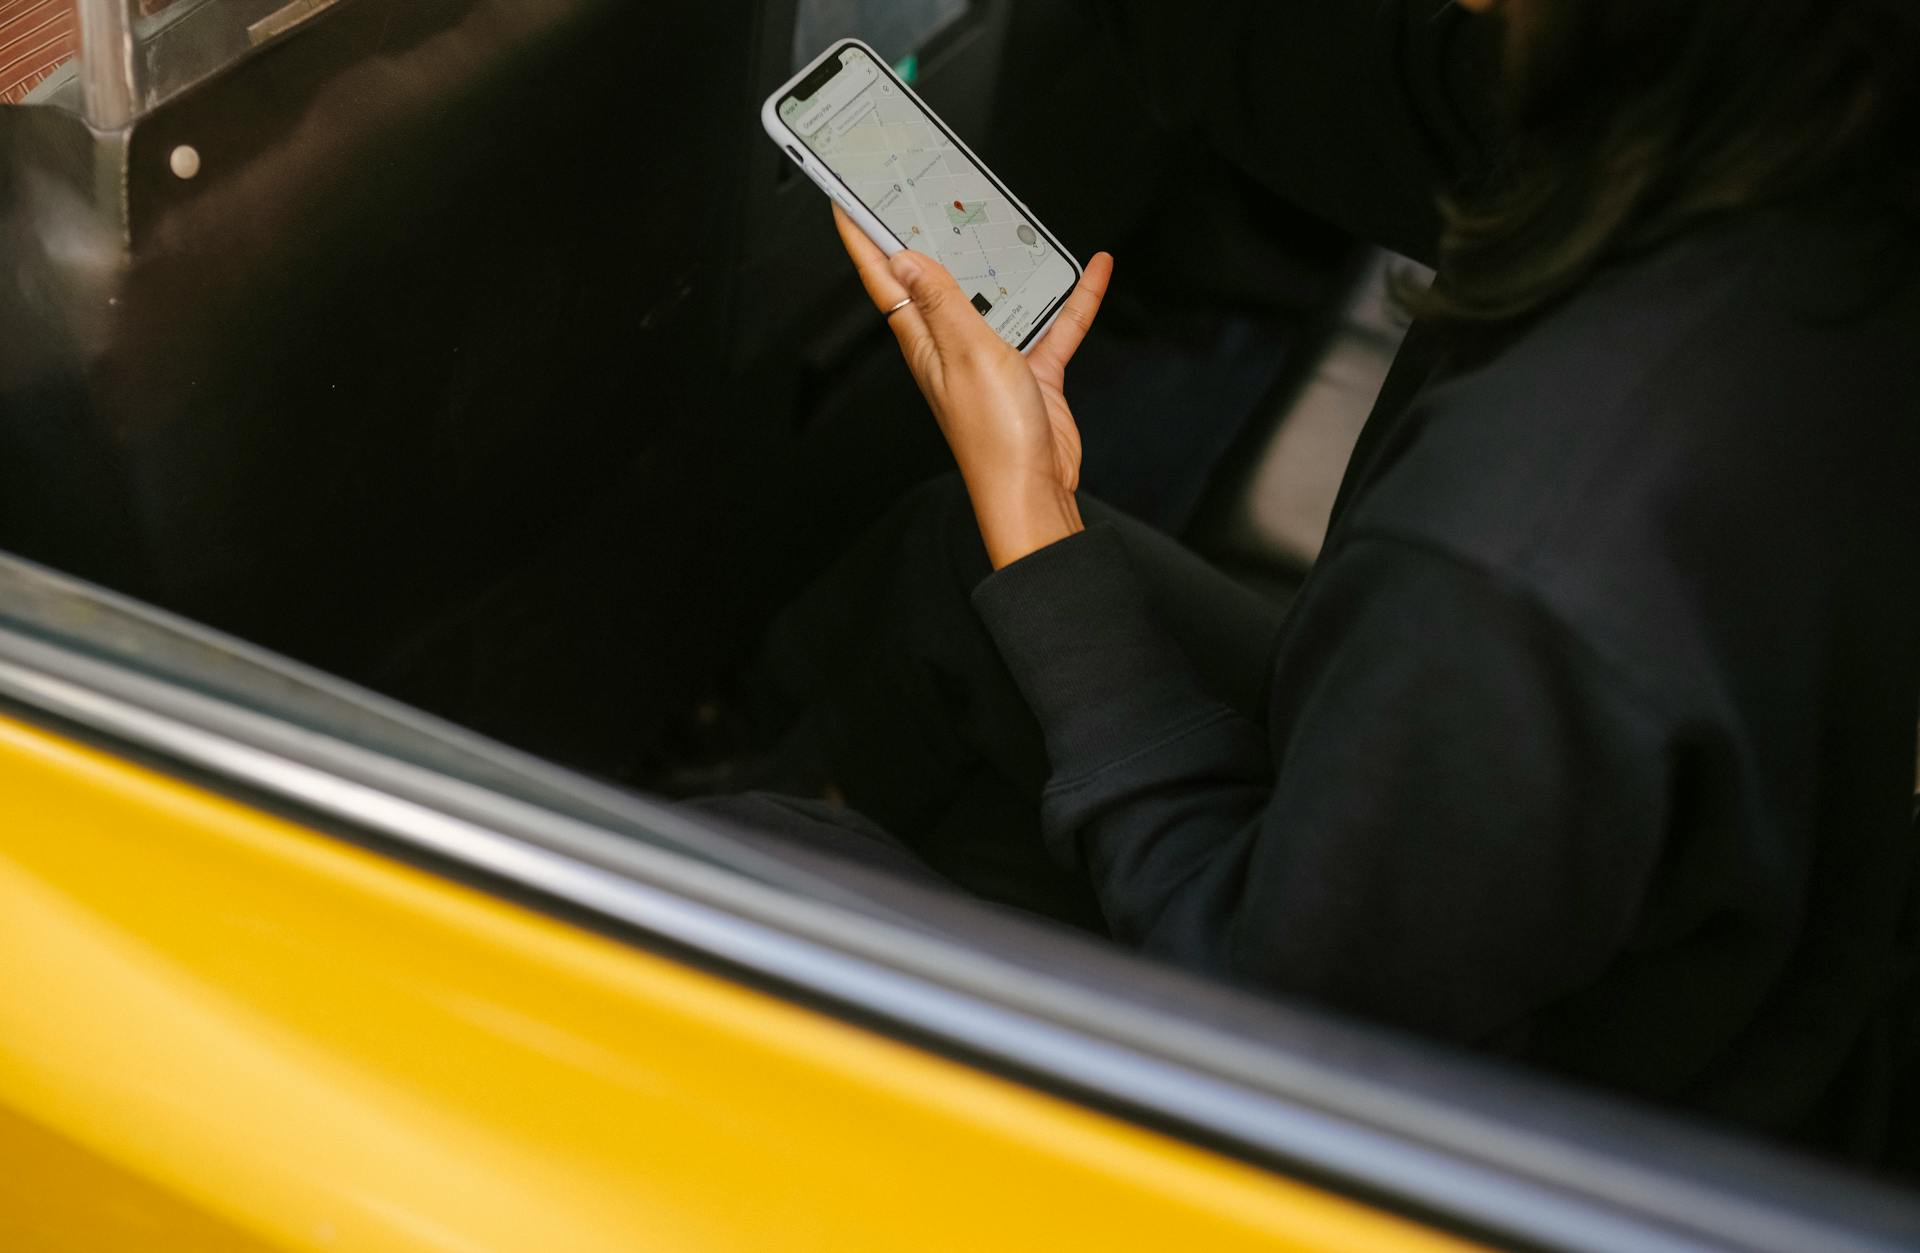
(823, 175)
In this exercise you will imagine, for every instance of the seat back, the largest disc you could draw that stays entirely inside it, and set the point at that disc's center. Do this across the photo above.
(1904, 1151)
(437, 278)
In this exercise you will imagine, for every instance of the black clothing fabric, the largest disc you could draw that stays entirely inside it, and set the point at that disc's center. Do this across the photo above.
(1592, 736)
(1590, 741)
(1358, 110)
(905, 706)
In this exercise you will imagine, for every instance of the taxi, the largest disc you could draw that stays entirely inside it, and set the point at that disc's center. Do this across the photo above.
(317, 315)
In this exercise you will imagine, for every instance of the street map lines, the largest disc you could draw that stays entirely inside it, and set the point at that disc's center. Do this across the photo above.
(936, 201)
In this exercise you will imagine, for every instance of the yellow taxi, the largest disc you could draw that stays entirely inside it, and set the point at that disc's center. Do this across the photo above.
(315, 316)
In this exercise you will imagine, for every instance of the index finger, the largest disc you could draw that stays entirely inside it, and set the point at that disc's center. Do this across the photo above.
(882, 287)
(885, 289)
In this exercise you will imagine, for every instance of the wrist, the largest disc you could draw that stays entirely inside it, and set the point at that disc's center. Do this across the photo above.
(1016, 522)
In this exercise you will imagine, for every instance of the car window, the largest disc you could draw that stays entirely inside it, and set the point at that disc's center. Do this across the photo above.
(898, 29)
(38, 39)
(172, 44)
(45, 605)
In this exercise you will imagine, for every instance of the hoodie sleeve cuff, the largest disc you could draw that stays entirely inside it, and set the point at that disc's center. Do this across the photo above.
(1101, 674)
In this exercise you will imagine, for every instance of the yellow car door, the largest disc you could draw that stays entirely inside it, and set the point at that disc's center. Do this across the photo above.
(289, 967)
(225, 1029)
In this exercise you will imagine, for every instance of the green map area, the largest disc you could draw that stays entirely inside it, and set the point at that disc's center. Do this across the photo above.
(961, 214)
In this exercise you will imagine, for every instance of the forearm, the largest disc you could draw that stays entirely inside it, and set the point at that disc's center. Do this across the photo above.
(1153, 778)
(1450, 821)
(1020, 515)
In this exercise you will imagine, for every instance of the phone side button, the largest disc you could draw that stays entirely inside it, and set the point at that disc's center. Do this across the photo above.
(834, 193)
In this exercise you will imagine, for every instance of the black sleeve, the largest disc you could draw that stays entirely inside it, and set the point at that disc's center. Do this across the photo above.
(1449, 821)
(1362, 111)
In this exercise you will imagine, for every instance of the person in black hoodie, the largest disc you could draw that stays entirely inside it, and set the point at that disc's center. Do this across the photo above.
(1590, 742)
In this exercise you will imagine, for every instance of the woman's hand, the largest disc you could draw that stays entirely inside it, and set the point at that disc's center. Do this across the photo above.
(1004, 414)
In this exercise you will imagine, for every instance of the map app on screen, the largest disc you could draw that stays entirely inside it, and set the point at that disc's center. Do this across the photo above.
(904, 167)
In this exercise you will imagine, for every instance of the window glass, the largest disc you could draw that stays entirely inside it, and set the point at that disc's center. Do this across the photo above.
(37, 41)
(173, 44)
(898, 29)
(180, 42)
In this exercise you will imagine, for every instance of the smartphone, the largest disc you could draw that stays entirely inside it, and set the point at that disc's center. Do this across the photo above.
(883, 156)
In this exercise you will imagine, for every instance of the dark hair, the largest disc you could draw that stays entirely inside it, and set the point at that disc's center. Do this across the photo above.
(1633, 120)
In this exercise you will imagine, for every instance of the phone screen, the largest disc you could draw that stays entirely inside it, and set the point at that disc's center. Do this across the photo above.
(905, 167)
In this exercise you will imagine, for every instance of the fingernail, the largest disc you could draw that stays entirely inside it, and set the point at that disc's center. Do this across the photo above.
(906, 267)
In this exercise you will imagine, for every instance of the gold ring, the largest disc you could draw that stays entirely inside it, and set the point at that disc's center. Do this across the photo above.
(897, 308)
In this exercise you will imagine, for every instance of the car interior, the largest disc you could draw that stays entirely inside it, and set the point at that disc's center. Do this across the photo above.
(591, 401)
(182, 40)
(491, 360)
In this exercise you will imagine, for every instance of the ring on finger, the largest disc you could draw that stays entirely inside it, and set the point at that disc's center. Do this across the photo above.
(897, 308)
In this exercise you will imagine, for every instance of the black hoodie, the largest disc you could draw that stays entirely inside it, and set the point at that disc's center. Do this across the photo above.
(1591, 738)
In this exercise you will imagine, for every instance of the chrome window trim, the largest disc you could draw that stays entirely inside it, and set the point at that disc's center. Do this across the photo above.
(108, 83)
(1459, 1169)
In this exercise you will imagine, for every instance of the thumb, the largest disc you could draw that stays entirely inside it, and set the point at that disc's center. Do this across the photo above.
(939, 302)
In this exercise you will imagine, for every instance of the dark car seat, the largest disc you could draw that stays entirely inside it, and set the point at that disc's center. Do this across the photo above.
(438, 278)
(1904, 1118)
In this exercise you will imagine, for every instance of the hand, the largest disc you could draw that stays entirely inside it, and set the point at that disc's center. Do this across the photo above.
(1004, 414)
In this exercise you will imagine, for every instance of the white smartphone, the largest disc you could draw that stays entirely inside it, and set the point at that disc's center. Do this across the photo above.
(883, 156)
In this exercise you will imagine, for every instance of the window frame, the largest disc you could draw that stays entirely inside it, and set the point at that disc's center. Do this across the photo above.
(1401, 1125)
(120, 76)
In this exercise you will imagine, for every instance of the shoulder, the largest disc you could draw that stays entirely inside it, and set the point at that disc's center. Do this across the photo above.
(1687, 427)
(1728, 368)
